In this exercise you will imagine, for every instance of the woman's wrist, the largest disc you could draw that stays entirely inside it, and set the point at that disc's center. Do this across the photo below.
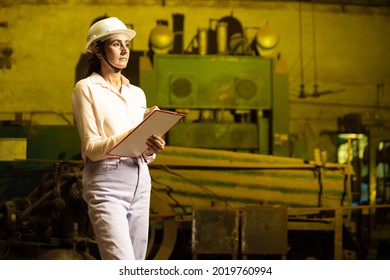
(148, 153)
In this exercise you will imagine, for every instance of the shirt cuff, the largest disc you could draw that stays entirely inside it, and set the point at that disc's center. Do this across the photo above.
(150, 158)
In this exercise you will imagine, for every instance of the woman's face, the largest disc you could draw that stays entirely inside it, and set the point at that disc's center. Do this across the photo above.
(117, 50)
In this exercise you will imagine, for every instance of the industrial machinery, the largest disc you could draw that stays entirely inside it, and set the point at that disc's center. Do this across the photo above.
(42, 213)
(48, 219)
(231, 103)
(51, 222)
(224, 187)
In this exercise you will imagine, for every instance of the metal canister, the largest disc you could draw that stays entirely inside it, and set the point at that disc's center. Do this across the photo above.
(222, 38)
(202, 41)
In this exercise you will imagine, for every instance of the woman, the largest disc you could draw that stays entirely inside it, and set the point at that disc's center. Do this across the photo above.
(106, 107)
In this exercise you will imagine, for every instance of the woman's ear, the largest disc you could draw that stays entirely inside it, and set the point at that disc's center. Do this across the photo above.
(98, 52)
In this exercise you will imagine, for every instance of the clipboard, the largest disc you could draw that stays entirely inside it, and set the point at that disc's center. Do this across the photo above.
(159, 122)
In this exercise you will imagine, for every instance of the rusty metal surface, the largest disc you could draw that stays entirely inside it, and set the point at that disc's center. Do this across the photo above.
(215, 231)
(264, 230)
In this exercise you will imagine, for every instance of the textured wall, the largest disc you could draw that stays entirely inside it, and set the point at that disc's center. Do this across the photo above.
(350, 51)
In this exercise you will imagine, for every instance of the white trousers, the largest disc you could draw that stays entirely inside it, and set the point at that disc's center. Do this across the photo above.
(117, 192)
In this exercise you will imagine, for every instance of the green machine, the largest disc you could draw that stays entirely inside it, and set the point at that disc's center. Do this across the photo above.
(237, 103)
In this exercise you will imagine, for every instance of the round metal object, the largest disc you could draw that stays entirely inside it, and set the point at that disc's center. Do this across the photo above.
(161, 38)
(181, 87)
(246, 88)
(267, 37)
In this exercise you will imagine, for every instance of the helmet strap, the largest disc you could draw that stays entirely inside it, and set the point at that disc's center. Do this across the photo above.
(101, 48)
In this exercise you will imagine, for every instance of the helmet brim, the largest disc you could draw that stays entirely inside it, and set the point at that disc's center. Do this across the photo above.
(104, 36)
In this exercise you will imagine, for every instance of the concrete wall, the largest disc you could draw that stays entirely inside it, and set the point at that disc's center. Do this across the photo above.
(351, 52)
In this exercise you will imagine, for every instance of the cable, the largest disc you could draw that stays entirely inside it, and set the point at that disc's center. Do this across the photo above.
(205, 189)
(302, 91)
(314, 48)
(168, 193)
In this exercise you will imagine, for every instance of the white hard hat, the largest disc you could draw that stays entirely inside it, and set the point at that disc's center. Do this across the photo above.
(104, 28)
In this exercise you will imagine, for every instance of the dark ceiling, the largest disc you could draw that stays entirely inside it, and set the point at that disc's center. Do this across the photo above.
(368, 3)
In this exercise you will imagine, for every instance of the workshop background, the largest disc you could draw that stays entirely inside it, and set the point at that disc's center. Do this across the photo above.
(41, 42)
(281, 97)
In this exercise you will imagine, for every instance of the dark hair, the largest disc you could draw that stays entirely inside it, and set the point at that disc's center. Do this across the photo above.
(93, 65)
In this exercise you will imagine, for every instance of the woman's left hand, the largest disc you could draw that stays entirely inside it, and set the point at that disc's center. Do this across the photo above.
(150, 110)
(155, 144)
